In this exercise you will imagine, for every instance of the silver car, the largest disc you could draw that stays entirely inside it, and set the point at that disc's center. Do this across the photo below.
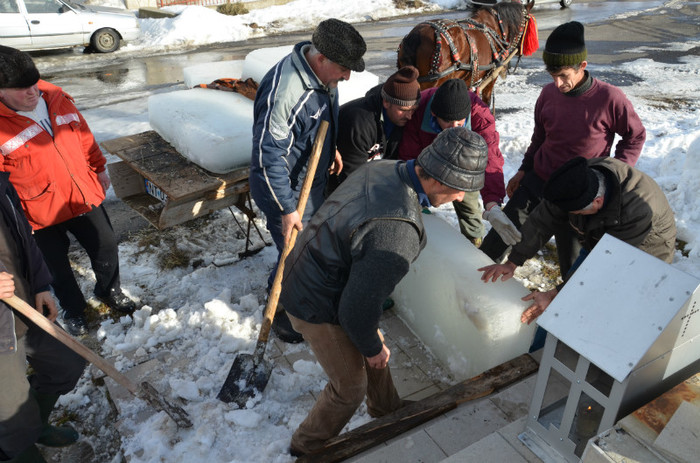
(42, 24)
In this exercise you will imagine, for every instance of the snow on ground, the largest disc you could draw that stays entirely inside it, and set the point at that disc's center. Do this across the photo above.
(203, 313)
(186, 29)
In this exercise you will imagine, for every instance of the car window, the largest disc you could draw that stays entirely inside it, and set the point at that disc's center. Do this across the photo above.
(9, 6)
(43, 6)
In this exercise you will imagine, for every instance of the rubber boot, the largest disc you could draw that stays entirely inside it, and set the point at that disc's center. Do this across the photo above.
(52, 436)
(31, 455)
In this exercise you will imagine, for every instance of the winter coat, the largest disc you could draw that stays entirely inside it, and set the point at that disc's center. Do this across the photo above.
(582, 123)
(19, 256)
(422, 129)
(361, 132)
(326, 276)
(635, 211)
(56, 178)
(289, 106)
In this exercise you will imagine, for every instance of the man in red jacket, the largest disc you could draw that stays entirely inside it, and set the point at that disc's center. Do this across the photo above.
(453, 105)
(576, 115)
(59, 173)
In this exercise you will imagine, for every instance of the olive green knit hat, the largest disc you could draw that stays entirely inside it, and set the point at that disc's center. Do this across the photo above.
(565, 46)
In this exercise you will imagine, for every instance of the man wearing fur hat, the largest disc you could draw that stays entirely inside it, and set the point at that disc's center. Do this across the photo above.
(453, 105)
(366, 235)
(293, 98)
(59, 173)
(370, 128)
(589, 198)
(576, 115)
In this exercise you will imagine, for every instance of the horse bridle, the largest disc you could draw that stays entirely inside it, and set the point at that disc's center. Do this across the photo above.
(500, 46)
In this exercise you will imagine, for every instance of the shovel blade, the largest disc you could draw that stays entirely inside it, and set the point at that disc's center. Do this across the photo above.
(178, 414)
(247, 375)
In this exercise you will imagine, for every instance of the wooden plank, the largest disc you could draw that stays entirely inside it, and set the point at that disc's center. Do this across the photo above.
(391, 425)
(118, 144)
(155, 159)
(176, 212)
(147, 206)
(125, 180)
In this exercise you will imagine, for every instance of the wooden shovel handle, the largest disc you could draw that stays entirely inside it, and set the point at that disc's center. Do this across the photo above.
(276, 289)
(77, 347)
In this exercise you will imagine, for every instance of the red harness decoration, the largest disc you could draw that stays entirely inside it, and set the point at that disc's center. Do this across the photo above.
(531, 41)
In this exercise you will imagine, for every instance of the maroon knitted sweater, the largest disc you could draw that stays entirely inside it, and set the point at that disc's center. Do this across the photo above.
(582, 123)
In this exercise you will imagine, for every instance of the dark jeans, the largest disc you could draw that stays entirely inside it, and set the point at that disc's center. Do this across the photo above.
(269, 207)
(517, 209)
(56, 371)
(94, 232)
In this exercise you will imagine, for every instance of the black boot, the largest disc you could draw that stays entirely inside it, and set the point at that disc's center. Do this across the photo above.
(31, 455)
(116, 300)
(52, 436)
(77, 326)
(283, 329)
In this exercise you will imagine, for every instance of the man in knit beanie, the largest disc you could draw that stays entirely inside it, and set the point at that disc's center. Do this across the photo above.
(453, 105)
(350, 257)
(370, 127)
(575, 115)
(592, 197)
(293, 98)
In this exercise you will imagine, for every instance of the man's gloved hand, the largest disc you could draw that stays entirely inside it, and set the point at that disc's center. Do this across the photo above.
(502, 225)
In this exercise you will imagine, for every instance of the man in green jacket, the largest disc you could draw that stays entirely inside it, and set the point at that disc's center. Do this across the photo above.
(591, 198)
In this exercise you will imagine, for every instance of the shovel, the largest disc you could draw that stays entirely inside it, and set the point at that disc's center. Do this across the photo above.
(145, 391)
(251, 372)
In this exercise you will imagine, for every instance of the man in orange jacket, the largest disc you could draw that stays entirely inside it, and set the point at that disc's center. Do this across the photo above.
(59, 173)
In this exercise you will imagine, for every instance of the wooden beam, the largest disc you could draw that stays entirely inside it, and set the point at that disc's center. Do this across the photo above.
(391, 425)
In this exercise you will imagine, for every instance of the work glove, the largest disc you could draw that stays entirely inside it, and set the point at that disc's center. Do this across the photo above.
(502, 224)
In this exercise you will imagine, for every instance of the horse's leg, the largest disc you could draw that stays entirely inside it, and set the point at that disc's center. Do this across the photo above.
(487, 95)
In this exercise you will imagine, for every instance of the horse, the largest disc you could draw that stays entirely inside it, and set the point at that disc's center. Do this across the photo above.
(469, 49)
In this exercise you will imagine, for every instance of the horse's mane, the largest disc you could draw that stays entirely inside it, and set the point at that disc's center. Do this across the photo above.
(510, 12)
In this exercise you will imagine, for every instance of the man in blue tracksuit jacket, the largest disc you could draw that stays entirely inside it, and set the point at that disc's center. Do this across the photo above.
(293, 98)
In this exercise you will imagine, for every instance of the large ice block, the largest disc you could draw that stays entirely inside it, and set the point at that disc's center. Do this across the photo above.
(211, 128)
(469, 325)
(207, 73)
(259, 61)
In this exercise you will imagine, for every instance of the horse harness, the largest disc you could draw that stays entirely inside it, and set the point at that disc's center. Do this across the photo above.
(500, 47)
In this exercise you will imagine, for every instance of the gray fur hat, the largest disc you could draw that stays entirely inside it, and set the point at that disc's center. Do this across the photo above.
(456, 158)
(341, 43)
(17, 70)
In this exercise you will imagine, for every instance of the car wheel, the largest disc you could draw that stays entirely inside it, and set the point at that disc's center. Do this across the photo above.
(565, 3)
(105, 40)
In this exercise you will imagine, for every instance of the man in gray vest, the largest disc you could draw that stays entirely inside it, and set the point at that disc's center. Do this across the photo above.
(347, 261)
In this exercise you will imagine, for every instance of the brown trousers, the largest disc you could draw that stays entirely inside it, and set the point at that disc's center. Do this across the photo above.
(349, 380)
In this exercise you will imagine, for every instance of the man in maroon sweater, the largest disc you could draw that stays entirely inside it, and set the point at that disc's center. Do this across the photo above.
(576, 115)
(453, 105)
